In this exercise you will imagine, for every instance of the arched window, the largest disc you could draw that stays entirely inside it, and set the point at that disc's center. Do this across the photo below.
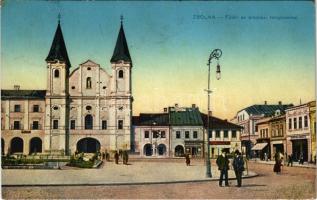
(88, 122)
(56, 73)
(88, 83)
(120, 75)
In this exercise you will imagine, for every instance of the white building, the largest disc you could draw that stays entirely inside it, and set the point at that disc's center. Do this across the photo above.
(86, 110)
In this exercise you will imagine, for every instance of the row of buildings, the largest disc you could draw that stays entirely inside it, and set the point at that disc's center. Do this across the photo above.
(180, 130)
(287, 129)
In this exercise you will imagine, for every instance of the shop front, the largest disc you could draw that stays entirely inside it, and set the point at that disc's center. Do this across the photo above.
(262, 148)
(216, 148)
(194, 148)
(300, 148)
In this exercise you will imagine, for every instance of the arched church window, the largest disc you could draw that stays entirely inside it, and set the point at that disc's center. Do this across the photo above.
(120, 74)
(88, 122)
(88, 83)
(56, 73)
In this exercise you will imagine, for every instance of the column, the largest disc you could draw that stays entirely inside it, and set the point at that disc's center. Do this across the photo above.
(26, 115)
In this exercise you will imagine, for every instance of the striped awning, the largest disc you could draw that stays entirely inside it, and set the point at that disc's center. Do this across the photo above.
(259, 146)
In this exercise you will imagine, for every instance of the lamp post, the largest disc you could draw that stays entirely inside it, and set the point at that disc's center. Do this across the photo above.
(215, 54)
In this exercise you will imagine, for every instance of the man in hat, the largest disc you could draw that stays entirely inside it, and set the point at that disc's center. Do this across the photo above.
(238, 166)
(223, 167)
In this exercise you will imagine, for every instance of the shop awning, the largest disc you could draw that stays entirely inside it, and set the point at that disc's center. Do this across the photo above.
(259, 146)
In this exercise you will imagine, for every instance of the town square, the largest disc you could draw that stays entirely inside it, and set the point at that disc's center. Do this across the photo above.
(168, 100)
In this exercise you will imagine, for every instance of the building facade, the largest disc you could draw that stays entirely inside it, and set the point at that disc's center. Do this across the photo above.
(151, 135)
(298, 132)
(248, 117)
(278, 134)
(87, 110)
(312, 118)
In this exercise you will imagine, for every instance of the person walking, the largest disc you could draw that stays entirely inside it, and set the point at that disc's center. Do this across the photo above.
(238, 166)
(277, 165)
(116, 157)
(290, 160)
(187, 159)
(223, 167)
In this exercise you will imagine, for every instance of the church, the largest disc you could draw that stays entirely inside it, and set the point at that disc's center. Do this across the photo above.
(85, 110)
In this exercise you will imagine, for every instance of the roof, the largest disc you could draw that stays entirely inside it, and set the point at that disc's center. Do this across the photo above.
(267, 110)
(58, 48)
(23, 94)
(151, 119)
(216, 123)
(189, 117)
(121, 50)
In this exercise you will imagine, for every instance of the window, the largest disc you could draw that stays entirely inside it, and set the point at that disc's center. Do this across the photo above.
(217, 134)
(256, 128)
(120, 74)
(73, 87)
(88, 83)
(36, 108)
(72, 124)
(178, 134)
(187, 134)
(289, 123)
(88, 107)
(89, 122)
(300, 122)
(225, 134)
(234, 134)
(55, 124)
(56, 73)
(104, 124)
(35, 125)
(88, 68)
(163, 135)
(305, 121)
(55, 107)
(16, 125)
(17, 108)
(146, 134)
(120, 124)
(155, 134)
(295, 123)
(195, 135)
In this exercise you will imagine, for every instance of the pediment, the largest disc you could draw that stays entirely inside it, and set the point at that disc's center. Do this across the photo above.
(89, 63)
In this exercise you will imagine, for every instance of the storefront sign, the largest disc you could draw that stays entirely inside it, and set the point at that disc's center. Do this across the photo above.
(219, 142)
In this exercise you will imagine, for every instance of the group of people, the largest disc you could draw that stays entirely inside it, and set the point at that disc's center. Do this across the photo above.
(123, 154)
(223, 167)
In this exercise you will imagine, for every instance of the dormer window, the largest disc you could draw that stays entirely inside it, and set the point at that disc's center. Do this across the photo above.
(120, 75)
(56, 73)
(88, 83)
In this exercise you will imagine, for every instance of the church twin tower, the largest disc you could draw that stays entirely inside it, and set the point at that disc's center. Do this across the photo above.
(87, 110)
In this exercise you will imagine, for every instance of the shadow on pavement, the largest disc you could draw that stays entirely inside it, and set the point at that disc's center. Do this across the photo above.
(253, 185)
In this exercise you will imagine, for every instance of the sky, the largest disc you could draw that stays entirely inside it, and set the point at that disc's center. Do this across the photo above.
(268, 48)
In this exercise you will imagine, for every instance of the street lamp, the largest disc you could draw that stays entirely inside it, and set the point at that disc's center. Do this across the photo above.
(215, 54)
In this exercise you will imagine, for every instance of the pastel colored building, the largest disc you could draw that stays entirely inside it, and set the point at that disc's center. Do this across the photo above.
(312, 118)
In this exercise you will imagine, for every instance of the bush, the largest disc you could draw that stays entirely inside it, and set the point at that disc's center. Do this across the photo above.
(80, 163)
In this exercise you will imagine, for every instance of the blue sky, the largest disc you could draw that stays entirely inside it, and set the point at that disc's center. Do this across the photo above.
(263, 59)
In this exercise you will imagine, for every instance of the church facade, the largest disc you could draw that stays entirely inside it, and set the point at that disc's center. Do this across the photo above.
(86, 110)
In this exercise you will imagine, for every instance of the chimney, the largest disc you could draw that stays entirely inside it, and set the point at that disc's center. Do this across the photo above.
(265, 102)
(165, 110)
(16, 87)
(193, 105)
(280, 103)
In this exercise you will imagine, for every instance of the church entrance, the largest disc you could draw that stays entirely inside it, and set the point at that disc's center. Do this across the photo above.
(88, 145)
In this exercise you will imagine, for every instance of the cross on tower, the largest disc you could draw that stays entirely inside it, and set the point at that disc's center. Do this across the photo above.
(59, 17)
(121, 18)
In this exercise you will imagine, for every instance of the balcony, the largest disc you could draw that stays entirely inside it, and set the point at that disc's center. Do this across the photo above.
(35, 126)
(16, 127)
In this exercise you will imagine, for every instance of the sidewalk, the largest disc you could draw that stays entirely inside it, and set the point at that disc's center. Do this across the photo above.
(295, 164)
(112, 174)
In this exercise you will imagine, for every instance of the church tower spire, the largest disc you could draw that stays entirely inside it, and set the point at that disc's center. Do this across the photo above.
(58, 48)
(121, 50)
